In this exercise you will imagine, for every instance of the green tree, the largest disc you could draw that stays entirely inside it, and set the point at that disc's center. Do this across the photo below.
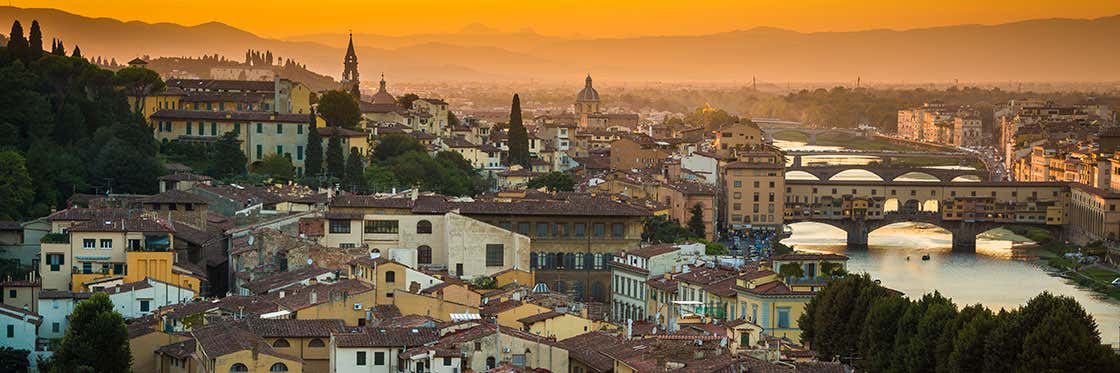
(832, 320)
(696, 221)
(553, 182)
(1067, 337)
(35, 41)
(394, 145)
(976, 322)
(58, 172)
(518, 136)
(336, 161)
(13, 360)
(791, 270)
(77, 52)
(923, 352)
(96, 339)
(406, 100)
(226, 158)
(452, 120)
(276, 166)
(18, 192)
(355, 175)
(379, 178)
(138, 82)
(879, 332)
(339, 109)
(714, 248)
(659, 229)
(17, 43)
(125, 169)
(313, 158)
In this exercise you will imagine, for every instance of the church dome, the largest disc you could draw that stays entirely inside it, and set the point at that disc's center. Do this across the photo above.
(382, 96)
(588, 93)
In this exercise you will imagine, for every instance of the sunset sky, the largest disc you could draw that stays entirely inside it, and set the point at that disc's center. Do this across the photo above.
(277, 18)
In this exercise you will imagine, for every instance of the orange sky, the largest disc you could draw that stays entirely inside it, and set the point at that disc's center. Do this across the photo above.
(278, 18)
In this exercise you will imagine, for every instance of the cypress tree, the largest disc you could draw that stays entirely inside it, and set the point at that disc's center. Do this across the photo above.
(696, 221)
(59, 49)
(35, 40)
(354, 175)
(518, 136)
(77, 52)
(17, 43)
(314, 157)
(336, 165)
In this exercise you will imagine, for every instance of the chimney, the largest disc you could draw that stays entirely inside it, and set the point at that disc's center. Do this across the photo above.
(314, 297)
(415, 192)
(281, 294)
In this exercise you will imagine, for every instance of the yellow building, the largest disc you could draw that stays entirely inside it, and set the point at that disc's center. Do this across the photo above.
(220, 348)
(94, 254)
(260, 133)
(755, 190)
(555, 324)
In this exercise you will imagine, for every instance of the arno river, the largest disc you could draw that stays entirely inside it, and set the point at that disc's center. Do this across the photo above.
(1003, 272)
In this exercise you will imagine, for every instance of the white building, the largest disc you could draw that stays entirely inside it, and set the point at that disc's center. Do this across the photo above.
(375, 350)
(55, 307)
(631, 269)
(20, 328)
(140, 298)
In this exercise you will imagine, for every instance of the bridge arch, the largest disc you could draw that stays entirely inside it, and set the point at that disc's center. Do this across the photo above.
(801, 175)
(919, 176)
(856, 174)
(967, 179)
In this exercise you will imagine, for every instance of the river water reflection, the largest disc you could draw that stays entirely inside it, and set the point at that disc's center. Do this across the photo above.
(1002, 274)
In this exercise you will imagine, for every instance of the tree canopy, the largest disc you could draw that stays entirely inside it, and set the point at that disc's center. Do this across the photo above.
(96, 339)
(858, 321)
(553, 182)
(339, 109)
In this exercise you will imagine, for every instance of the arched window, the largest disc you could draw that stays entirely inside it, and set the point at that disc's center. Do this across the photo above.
(238, 368)
(490, 363)
(390, 277)
(316, 343)
(281, 343)
(423, 227)
(424, 254)
(278, 367)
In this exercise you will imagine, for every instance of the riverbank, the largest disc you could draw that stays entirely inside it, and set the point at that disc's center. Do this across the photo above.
(1093, 276)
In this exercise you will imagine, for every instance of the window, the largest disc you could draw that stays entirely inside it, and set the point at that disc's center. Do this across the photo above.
(201, 128)
(599, 229)
(423, 227)
(340, 226)
(260, 151)
(424, 254)
(278, 367)
(299, 129)
(87, 268)
(55, 261)
(518, 360)
(316, 343)
(11, 293)
(89, 243)
(56, 327)
(237, 128)
(580, 230)
(523, 228)
(189, 128)
(145, 305)
(378, 358)
(381, 226)
(279, 128)
(299, 152)
(260, 128)
(618, 230)
(542, 229)
(495, 255)
(106, 244)
(783, 317)
(238, 368)
(390, 277)
(446, 361)
(281, 343)
(213, 129)
(279, 149)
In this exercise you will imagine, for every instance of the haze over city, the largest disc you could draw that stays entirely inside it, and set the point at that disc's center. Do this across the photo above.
(559, 186)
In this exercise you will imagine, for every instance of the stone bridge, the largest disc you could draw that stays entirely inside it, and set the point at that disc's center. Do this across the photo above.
(771, 127)
(964, 232)
(887, 173)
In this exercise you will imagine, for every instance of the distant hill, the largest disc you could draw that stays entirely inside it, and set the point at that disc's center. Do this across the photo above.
(1036, 50)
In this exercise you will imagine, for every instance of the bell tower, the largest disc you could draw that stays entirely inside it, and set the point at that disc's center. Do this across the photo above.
(350, 70)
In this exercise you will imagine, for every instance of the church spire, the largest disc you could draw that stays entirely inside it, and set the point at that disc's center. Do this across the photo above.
(588, 81)
(350, 69)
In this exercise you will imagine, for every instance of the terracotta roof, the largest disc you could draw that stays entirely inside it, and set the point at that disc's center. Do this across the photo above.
(179, 350)
(539, 317)
(385, 311)
(291, 328)
(724, 288)
(664, 284)
(9, 225)
(586, 348)
(238, 116)
(175, 196)
(82, 214)
(62, 294)
(327, 132)
(653, 250)
(773, 288)
(222, 85)
(130, 286)
(809, 256)
(496, 308)
(408, 321)
(702, 275)
(301, 298)
(752, 275)
(222, 339)
(387, 337)
(136, 224)
(20, 313)
(284, 279)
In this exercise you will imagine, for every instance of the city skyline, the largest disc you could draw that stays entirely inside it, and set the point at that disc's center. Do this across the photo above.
(586, 18)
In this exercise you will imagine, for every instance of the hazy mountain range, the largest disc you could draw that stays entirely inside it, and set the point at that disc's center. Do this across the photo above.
(1035, 50)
